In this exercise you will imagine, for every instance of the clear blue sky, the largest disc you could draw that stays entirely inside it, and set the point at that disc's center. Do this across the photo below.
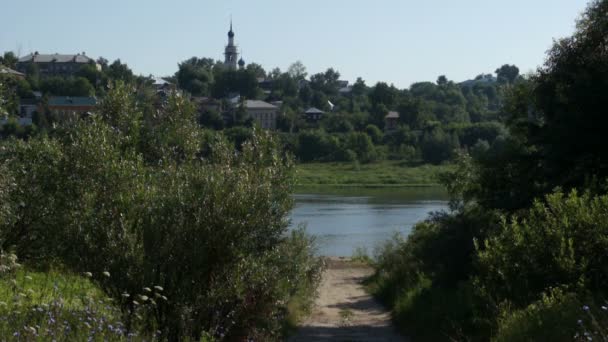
(397, 41)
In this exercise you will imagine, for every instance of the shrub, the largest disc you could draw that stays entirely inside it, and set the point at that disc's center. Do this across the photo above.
(560, 242)
(211, 232)
(551, 318)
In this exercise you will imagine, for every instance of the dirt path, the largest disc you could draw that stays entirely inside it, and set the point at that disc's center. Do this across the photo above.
(344, 311)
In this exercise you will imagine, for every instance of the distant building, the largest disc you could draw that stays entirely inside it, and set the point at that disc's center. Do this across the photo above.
(55, 64)
(264, 113)
(66, 106)
(313, 114)
(391, 121)
(6, 71)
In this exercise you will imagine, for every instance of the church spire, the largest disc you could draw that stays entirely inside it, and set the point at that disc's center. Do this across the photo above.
(231, 52)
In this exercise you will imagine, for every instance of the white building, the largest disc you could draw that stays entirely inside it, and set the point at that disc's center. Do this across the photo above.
(264, 113)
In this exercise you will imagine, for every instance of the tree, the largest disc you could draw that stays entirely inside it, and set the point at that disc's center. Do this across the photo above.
(257, 70)
(507, 74)
(297, 71)
(374, 133)
(359, 88)
(442, 80)
(326, 82)
(195, 75)
(118, 71)
(9, 59)
(383, 94)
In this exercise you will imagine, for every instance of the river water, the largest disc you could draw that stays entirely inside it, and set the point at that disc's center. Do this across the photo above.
(343, 220)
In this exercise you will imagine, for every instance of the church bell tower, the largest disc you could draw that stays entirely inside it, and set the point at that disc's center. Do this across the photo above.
(231, 53)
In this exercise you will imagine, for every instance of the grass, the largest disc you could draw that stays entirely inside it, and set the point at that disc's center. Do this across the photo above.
(379, 174)
(61, 306)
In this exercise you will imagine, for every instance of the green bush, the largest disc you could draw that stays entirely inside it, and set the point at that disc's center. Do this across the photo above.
(210, 231)
(553, 317)
(560, 242)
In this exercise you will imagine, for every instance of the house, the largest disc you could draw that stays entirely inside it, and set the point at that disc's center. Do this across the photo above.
(313, 114)
(65, 106)
(55, 64)
(391, 121)
(6, 71)
(264, 113)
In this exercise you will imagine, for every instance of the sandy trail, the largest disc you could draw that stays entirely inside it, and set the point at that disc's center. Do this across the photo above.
(344, 311)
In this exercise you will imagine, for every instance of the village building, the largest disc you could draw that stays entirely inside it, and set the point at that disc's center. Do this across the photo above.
(313, 114)
(8, 72)
(67, 106)
(264, 113)
(391, 121)
(56, 64)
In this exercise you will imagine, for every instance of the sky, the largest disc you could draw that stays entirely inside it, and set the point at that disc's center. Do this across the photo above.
(394, 41)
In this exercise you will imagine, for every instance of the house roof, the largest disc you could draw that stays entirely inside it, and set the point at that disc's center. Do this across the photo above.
(392, 115)
(72, 101)
(8, 71)
(57, 58)
(256, 104)
(313, 110)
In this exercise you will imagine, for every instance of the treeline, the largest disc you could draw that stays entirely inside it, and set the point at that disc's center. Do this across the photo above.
(140, 200)
(522, 254)
(435, 119)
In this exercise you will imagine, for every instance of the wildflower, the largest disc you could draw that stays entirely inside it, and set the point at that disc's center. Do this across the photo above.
(585, 308)
(88, 274)
(125, 295)
(135, 302)
(27, 277)
(604, 308)
(143, 298)
(106, 273)
(158, 288)
(147, 289)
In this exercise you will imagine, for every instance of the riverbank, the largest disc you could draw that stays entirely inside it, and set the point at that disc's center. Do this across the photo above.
(382, 174)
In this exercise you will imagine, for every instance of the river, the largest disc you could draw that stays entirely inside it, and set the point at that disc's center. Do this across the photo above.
(343, 220)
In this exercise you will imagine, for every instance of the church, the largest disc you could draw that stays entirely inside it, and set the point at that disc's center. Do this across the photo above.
(264, 113)
(231, 53)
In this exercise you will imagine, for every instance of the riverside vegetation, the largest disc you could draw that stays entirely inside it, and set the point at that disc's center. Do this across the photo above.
(522, 255)
(179, 235)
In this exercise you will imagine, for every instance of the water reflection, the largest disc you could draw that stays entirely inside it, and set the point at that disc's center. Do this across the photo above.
(343, 220)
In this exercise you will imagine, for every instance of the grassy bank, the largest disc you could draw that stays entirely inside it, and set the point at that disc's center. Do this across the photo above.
(380, 174)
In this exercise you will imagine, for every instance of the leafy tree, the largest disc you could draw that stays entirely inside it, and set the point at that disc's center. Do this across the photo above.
(120, 72)
(257, 70)
(507, 74)
(9, 59)
(297, 71)
(374, 133)
(442, 80)
(195, 75)
(326, 82)
(362, 145)
(383, 94)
